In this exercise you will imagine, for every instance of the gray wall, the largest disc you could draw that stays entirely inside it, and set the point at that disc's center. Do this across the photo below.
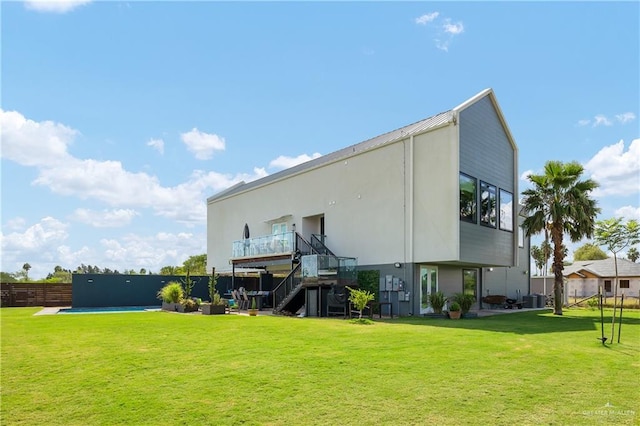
(486, 154)
(102, 290)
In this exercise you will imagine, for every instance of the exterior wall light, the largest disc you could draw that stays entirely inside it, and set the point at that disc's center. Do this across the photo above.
(397, 264)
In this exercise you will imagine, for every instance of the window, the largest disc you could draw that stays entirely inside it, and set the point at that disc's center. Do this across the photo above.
(468, 190)
(470, 282)
(278, 228)
(488, 201)
(607, 286)
(624, 283)
(506, 210)
(520, 237)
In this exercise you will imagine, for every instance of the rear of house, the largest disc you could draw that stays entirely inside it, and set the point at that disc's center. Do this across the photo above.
(429, 207)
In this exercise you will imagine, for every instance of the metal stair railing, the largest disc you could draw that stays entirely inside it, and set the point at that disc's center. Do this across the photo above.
(287, 288)
(318, 245)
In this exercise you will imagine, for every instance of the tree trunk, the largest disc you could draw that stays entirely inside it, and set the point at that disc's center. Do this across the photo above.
(558, 267)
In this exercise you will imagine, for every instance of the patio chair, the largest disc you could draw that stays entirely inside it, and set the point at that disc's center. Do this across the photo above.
(237, 299)
(245, 298)
(232, 305)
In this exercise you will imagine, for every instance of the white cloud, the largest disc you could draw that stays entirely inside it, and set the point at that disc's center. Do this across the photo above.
(31, 143)
(601, 120)
(203, 145)
(628, 212)
(443, 29)
(43, 246)
(524, 176)
(284, 162)
(617, 171)
(36, 245)
(16, 224)
(455, 29)
(425, 19)
(157, 144)
(44, 146)
(54, 6)
(105, 218)
(625, 117)
(152, 252)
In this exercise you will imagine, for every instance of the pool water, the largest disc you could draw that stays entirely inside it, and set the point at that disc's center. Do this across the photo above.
(108, 310)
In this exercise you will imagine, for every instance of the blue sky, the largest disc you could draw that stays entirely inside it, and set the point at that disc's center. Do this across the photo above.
(120, 119)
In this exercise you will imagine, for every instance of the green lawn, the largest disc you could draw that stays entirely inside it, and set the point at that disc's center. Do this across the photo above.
(164, 368)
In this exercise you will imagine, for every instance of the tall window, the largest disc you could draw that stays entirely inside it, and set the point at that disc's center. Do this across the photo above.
(488, 204)
(607, 286)
(506, 210)
(468, 191)
(470, 281)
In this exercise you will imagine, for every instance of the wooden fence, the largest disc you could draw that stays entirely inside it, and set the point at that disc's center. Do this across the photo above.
(35, 294)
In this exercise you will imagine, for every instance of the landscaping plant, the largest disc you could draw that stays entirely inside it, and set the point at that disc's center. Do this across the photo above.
(360, 298)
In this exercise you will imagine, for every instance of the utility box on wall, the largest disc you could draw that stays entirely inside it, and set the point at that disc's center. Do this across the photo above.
(393, 290)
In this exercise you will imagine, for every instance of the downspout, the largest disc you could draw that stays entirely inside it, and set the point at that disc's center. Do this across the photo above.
(410, 230)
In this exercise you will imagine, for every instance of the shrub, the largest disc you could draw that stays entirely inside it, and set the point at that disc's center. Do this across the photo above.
(190, 305)
(437, 300)
(172, 292)
(465, 301)
(454, 307)
(593, 303)
(360, 298)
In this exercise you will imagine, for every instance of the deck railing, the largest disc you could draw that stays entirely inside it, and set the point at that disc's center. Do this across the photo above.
(265, 245)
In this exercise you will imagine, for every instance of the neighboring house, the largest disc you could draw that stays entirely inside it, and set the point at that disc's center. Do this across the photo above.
(431, 206)
(585, 277)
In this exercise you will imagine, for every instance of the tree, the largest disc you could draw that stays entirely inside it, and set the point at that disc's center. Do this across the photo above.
(589, 251)
(559, 203)
(360, 298)
(538, 258)
(616, 236)
(633, 254)
(168, 270)
(7, 277)
(26, 268)
(196, 265)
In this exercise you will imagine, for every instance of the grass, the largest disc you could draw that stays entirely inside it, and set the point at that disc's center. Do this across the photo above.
(161, 368)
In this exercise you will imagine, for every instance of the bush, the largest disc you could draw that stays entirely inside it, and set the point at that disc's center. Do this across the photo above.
(437, 300)
(172, 292)
(465, 301)
(190, 305)
(454, 307)
(360, 298)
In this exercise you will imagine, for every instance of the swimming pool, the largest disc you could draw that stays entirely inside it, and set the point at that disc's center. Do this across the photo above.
(109, 310)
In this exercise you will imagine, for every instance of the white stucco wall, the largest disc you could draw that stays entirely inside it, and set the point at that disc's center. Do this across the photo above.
(361, 197)
(436, 189)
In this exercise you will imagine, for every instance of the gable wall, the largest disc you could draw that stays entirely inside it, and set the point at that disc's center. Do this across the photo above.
(486, 154)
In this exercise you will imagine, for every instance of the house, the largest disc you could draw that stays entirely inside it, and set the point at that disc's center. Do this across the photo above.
(585, 278)
(429, 206)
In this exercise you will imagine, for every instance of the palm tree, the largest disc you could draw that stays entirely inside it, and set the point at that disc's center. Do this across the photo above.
(559, 204)
(26, 268)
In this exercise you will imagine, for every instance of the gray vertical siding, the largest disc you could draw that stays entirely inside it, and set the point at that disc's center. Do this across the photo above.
(486, 154)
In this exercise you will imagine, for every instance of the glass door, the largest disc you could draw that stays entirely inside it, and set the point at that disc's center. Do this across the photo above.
(428, 285)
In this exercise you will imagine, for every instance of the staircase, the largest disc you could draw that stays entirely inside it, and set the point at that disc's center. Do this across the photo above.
(288, 295)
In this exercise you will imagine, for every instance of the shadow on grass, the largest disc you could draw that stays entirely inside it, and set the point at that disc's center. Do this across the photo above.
(524, 323)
